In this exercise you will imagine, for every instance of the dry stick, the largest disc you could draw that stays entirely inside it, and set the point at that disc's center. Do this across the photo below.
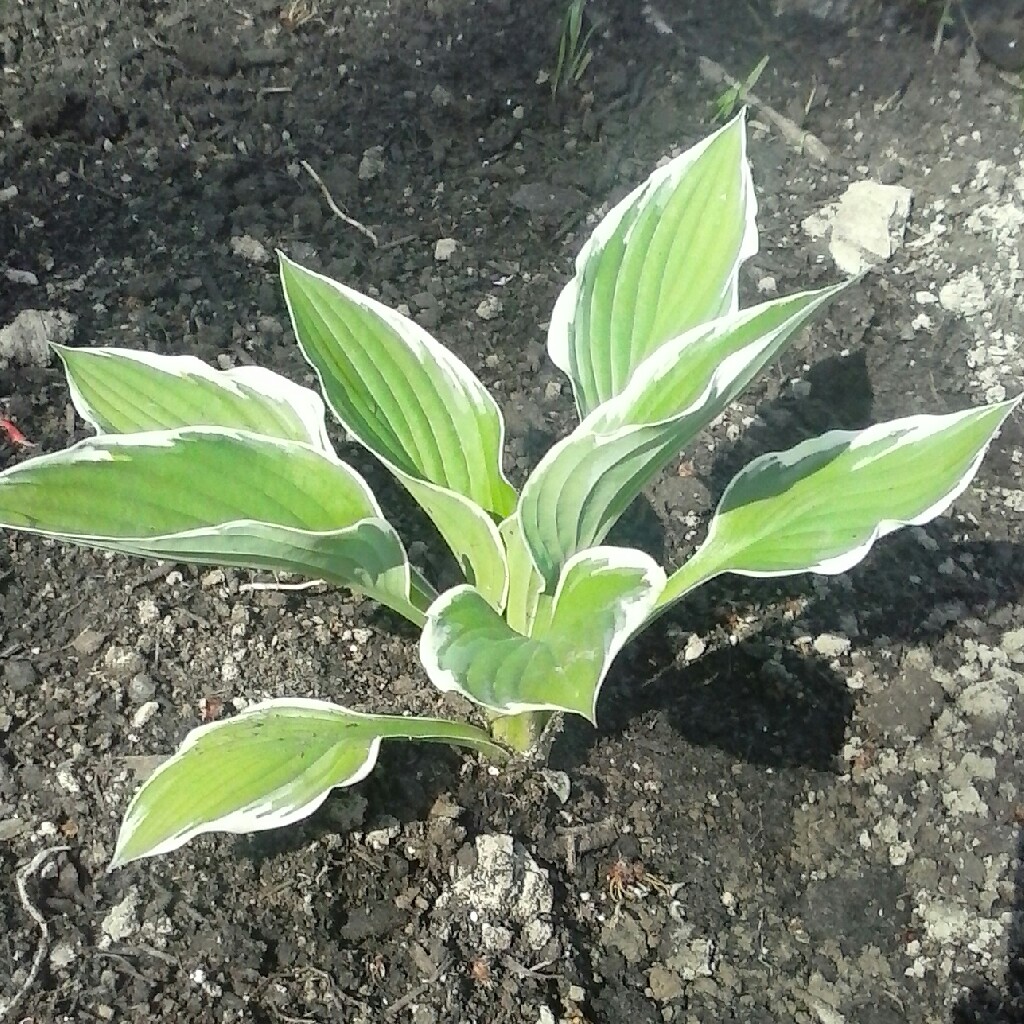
(257, 585)
(717, 75)
(414, 993)
(338, 212)
(803, 140)
(22, 877)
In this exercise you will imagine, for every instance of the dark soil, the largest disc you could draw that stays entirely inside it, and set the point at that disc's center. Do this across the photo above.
(804, 800)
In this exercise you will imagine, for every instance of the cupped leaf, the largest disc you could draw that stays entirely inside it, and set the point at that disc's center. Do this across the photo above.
(417, 407)
(272, 765)
(604, 595)
(586, 481)
(226, 497)
(121, 391)
(820, 506)
(664, 260)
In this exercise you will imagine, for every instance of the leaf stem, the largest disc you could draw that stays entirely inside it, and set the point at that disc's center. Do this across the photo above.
(520, 732)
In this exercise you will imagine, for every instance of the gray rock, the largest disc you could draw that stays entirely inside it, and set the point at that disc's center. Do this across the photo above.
(865, 227)
(20, 675)
(27, 339)
(504, 887)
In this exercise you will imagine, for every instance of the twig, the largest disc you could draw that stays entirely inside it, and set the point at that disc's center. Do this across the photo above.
(305, 585)
(414, 993)
(793, 133)
(338, 212)
(522, 971)
(21, 879)
(717, 75)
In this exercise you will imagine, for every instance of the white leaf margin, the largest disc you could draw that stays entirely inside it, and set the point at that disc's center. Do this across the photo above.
(239, 382)
(633, 615)
(426, 349)
(914, 429)
(258, 816)
(564, 311)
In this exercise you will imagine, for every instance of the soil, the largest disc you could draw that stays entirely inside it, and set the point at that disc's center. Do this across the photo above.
(803, 802)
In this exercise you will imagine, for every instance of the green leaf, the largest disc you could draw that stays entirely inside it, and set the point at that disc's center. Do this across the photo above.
(586, 481)
(213, 496)
(272, 765)
(119, 391)
(604, 595)
(664, 260)
(418, 408)
(525, 584)
(820, 506)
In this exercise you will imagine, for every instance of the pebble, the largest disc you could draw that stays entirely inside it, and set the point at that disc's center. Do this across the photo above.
(141, 688)
(664, 984)
(27, 339)
(695, 647)
(147, 611)
(122, 662)
(21, 276)
(213, 578)
(20, 675)
(828, 645)
(372, 163)
(11, 827)
(122, 920)
(890, 172)
(62, 955)
(270, 327)
(250, 249)
(144, 714)
(489, 308)
(444, 249)
(89, 641)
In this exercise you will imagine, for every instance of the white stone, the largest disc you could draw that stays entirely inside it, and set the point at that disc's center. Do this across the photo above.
(372, 163)
(694, 648)
(828, 645)
(250, 249)
(964, 294)
(869, 224)
(121, 921)
(865, 227)
(444, 249)
(489, 308)
(144, 713)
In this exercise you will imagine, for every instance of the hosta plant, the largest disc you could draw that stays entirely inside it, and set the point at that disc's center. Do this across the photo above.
(236, 468)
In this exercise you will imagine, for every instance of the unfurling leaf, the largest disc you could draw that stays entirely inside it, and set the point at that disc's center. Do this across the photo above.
(588, 480)
(603, 596)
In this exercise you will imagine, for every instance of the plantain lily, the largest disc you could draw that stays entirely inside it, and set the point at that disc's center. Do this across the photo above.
(236, 468)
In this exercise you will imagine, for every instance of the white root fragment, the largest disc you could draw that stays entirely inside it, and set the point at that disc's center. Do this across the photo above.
(337, 210)
(21, 881)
